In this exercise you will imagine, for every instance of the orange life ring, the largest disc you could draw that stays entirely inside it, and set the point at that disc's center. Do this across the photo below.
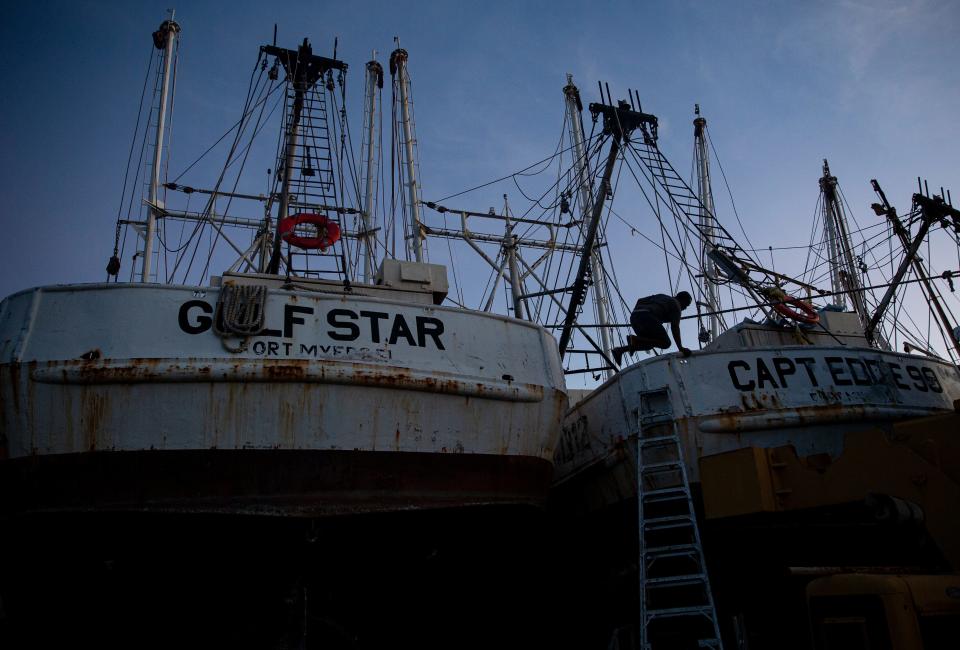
(328, 232)
(806, 314)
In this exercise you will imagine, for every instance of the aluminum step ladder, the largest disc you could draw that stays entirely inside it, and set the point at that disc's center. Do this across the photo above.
(676, 603)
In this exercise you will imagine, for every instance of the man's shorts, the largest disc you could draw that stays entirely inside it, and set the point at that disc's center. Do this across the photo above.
(649, 330)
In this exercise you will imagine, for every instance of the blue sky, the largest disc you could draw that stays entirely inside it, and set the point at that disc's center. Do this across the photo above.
(873, 86)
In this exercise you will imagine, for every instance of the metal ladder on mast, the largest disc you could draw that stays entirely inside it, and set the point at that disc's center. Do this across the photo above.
(674, 191)
(673, 582)
(314, 178)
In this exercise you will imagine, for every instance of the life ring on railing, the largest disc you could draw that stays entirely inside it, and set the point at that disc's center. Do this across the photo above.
(804, 312)
(328, 232)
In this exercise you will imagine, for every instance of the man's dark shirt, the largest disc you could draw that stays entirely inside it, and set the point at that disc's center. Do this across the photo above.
(664, 308)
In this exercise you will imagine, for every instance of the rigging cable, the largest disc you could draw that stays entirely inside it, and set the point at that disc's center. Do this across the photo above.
(498, 180)
(767, 304)
(126, 173)
(225, 134)
(139, 168)
(716, 156)
(198, 227)
(251, 87)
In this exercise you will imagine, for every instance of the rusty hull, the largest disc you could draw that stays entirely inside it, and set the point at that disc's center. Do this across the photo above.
(116, 397)
(727, 399)
(227, 462)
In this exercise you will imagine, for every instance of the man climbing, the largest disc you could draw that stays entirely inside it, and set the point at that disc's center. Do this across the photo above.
(647, 319)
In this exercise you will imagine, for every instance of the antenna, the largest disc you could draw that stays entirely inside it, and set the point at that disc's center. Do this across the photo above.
(274, 34)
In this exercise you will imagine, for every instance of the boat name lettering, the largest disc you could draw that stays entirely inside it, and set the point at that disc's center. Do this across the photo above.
(776, 372)
(195, 317)
(195, 323)
(573, 440)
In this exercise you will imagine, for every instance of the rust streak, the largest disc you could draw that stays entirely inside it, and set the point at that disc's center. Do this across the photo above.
(291, 370)
(15, 385)
(93, 407)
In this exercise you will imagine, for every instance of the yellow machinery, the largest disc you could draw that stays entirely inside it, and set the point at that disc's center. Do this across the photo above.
(869, 539)
(864, 611)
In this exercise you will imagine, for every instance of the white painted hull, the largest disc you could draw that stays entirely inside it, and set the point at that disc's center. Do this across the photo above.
(803, 395)
(137, 368)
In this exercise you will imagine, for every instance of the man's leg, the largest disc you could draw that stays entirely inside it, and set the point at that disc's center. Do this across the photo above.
(650, 332)
(645, 344)
(633, 345)
(639, 342)
(662, 339)
(618, 353)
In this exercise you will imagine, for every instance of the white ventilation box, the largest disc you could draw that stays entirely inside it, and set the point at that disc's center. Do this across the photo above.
(414, 276)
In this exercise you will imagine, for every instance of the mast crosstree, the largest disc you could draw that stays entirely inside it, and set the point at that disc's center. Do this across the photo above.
(931, 210)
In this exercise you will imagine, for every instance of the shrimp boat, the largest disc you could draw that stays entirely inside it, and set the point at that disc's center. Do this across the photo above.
(773, 430)
(788, 379)
(769, 433)
(315, 376)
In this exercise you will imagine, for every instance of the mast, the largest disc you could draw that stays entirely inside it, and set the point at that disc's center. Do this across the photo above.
(706, 220)
(303, 70)
(574, 108)
(163, 39)
(510, 248)
(845, 279)
(374, 82)
(836, 286)
(931, 211)
(619, 122)
(398, 68)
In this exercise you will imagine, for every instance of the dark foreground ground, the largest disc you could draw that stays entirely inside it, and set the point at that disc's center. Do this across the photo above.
(445, 579)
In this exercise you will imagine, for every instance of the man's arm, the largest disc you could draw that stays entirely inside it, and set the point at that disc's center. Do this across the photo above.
(675, 330)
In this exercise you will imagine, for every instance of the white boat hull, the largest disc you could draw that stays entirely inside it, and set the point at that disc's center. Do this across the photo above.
(101, 369)
(805, 396)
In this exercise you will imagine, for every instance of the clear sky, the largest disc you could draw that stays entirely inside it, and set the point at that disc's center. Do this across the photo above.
(873, 86)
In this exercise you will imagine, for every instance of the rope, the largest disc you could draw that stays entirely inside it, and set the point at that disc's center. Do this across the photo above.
(240, 310)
